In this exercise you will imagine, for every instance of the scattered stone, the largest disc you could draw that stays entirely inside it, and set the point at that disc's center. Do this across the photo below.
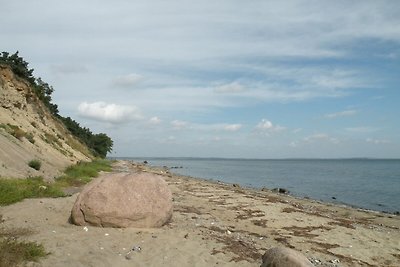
(281, 190)
(284, 257)
(140, 200)
(145, 162)
(236, 185)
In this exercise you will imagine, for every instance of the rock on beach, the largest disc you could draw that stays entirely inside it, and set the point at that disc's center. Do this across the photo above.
(284, 257)
(139, 200)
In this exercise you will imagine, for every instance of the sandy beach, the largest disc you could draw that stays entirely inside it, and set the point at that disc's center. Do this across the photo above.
(213, 224)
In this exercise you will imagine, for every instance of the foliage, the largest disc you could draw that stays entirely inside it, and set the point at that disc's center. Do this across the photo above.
(18, 65)
(14, 190)
(14, 253)
(99, 144)
(14, 130)
(35, 164)
(83, 172)
(30, 138)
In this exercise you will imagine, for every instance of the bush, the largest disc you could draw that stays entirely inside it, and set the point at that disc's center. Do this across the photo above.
(30, 138)
(14, 130)
(35, 164)
(14, 253)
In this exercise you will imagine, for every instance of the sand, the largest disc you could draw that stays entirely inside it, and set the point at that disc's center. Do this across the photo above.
(213, 224)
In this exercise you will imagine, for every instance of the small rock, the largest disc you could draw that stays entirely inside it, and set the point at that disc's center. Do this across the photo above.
(281, 190)
(284, 257)
(136, 248)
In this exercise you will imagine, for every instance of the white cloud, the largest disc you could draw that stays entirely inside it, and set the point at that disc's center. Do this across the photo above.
(179, 125)
(127, 80)
(154, 120)
(266, 126)
(320, 137)
(232, 127)
(293, 144)
(377, 141)
(362, 129)
(111, 113)
(344, 113)
(233, 87)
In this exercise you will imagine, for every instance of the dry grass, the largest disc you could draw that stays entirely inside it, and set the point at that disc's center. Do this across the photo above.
(14, 252)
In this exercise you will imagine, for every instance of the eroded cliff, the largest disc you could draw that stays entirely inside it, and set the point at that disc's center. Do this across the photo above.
(29, 132)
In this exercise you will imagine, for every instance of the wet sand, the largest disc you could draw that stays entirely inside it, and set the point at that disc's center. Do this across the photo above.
(213, 224)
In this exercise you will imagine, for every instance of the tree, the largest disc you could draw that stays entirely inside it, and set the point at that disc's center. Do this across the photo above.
(102, 144)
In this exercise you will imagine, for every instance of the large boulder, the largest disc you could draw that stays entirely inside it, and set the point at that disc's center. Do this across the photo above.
(284, 257)
(139, 200)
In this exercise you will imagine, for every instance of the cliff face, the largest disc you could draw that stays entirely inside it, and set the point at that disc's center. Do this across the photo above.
(29, 132)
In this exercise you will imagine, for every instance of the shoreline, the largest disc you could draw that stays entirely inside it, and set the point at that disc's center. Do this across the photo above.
(213, 224)
(334, 200)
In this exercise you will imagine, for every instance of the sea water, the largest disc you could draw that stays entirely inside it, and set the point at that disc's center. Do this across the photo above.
(366, 183)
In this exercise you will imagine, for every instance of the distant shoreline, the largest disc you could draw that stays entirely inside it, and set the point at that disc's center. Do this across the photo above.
(176, 170)
(234, 158)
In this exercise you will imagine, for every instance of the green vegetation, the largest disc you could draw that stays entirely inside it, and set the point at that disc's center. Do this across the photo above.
(14, 190)
(14, 130)
(29, 137)
(83, 172)
(98, 144)
(14, 253)
(35, 164)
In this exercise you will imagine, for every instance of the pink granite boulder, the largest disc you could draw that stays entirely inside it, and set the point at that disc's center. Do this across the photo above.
(140, 200)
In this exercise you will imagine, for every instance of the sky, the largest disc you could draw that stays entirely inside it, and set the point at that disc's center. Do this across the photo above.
(232, 79)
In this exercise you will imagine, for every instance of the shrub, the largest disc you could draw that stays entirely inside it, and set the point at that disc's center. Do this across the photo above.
(14, 130)
(14, 253)
(35, 164)
(30, 138)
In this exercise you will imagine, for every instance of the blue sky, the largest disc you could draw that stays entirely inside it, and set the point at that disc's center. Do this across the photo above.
(251, 79)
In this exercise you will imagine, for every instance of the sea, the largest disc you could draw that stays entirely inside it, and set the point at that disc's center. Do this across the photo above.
(372, 184)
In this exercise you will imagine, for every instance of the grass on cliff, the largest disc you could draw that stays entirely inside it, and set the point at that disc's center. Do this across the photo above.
(15, 190)
(83, 172)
